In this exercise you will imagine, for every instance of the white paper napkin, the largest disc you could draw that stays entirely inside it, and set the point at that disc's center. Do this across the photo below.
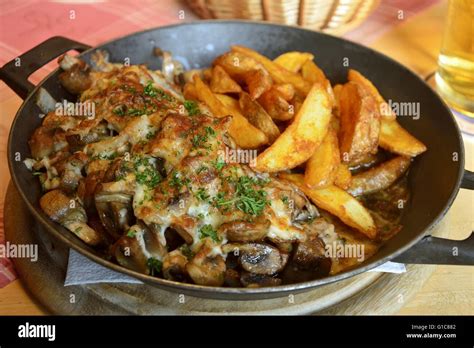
(81, 270)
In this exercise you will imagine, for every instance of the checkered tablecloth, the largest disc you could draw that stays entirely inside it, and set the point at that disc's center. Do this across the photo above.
(24, 24)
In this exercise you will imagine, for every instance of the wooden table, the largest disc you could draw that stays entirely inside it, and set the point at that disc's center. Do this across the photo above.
(450, 290)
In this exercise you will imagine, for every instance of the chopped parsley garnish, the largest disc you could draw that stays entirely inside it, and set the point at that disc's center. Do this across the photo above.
(105, 156)
(153, 92)
(191, 107)
(154, 266)
(149, 90)
(186, 251)
(210, 131)
(119, 110)
(146, 173)
(131, 233)
(209, 231)
(137, 112)
(201, 169)
(130, 89)
(199, 140)
(246, 198)
(218, 164)
(150, 135)
(202, 195)
(285, 199)
(178, 182)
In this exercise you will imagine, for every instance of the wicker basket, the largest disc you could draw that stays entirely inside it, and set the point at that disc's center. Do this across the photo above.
(327, 15)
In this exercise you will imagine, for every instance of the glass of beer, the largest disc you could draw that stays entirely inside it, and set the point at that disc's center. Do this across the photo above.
(455, 75)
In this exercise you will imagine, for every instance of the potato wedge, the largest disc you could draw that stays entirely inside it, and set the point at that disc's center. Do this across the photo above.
(343, 177)
(286, 91)
(278, 73)
(258, 117)
(367, 161)
(379, 177)
(299, 141)
(245, 135)
(207, 74)
(337, 93)
(293, 61)
(339, 203)
(359, 122)
(322, 166)
(189, 91)
(385, 111)
(396, 139)
(258, 82)
(246, 70)
(221, 82)
(237, 64)
(230, 103)
(275, 105)
(312, 73)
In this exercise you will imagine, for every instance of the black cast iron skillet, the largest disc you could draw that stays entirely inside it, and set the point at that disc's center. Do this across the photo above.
(434, 179)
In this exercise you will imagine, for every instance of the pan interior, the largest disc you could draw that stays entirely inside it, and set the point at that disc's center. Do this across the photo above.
(433, 179)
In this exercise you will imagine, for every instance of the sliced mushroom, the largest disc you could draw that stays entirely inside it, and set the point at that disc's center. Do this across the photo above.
(257, 258)
(77, 141)
(137, 246)
(115, 211)
(302, 210)
(174, 266)
(86, 190)
(252, 280)
(206, 268)
(76, 75)
(70, 214)
(245, 231)
(71, 171)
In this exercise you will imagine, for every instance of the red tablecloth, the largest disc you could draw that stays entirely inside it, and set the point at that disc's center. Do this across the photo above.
(24, 24)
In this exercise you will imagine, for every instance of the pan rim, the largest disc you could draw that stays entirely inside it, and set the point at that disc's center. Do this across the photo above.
(228, 292)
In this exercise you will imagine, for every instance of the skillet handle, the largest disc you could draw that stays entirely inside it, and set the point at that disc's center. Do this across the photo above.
(468, 180)
(16, 72)
(440, 251)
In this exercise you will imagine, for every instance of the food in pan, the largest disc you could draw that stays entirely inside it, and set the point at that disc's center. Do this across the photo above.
(252, 172)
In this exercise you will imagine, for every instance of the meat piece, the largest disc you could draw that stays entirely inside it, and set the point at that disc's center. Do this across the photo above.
(252, 280)
(173, 143)
(380, 177)
(41, 143)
